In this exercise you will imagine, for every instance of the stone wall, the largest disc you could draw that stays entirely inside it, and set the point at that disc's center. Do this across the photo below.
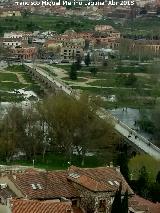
(94, 202)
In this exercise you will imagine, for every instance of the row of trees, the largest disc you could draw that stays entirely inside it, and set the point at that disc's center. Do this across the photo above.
(58, 124)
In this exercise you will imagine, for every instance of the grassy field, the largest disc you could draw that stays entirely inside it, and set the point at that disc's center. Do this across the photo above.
(9, 82)
(46, 22)
(8, 77)
(141, 94)
(54, 161)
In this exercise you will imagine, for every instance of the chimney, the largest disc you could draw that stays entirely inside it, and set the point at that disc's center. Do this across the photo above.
(14, 177)
(111, 164)
(118, 168)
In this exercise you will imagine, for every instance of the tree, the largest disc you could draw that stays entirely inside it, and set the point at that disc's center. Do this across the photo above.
(117, 205)
(122, 161)
(143, 182)
(158, 178)
(76, 126)
(154, 192)
(11, 132)
(120, 205)
(158, 10)
(131, 80)
(5, 54)
(93, 70)
(73, 72)
(25, 13)
(78, 63)
(125, 203)
(155, 117)
(143, 11)
(87, 60)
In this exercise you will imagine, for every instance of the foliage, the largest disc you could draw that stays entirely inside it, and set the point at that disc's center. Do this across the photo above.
(158, 178)
(126, 80)
(87, 60)
(156, 121)
(78, 63)
(120, 205)
(57, 124)
(143, 182)
(146, 124)
(125, 203)
(122, 161)
(73, 72)
(136, 163)
(74, 124)
(154, 192)
(93, 70)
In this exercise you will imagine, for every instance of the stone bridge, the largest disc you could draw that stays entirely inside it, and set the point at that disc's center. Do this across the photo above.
(57, 85)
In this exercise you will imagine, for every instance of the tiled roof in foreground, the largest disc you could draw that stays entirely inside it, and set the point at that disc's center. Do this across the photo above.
(99, 179)
(32, 206)
(138, 203)
(57, 184)
(44, 185)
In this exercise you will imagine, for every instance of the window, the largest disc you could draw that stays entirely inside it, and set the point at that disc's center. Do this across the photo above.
(74, 202)
(102, 205)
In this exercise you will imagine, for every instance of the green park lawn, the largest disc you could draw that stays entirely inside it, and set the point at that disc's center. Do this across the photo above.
(8, 77)
(141, 94)
(9, 83)
(54, 161)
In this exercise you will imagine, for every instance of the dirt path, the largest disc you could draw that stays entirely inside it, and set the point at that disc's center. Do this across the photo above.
(20, 78)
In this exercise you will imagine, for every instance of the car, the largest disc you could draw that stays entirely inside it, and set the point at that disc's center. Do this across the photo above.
(65, 61)
(28, 61)
(54, 62)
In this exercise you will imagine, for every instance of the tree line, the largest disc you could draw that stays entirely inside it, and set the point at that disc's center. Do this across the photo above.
(57, 124)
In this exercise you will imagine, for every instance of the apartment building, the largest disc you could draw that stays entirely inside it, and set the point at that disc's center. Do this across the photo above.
(71, 52)
(26, 53)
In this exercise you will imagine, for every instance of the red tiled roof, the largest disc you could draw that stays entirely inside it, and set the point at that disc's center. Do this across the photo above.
(107, 178)
(139, 203)
(90, 183)
(57, 184)
(52, 185)
(30, 206)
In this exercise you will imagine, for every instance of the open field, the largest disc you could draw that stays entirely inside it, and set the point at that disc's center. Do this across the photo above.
(113, 83)
(54, 161)
(14, 78)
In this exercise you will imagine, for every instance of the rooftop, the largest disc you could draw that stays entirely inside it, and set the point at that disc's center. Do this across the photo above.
(30, 206)
(99, 179)
(44, 185)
